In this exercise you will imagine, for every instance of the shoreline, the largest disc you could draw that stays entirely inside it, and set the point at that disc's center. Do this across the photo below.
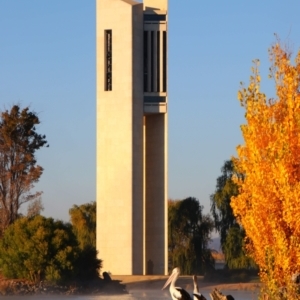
(149, 282)
(118, 285)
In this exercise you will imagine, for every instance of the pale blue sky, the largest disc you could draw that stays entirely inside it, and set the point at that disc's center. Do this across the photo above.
(47, 61)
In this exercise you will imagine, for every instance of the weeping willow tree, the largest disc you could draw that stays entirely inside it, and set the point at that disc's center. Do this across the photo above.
(189, 234)
(232, 234)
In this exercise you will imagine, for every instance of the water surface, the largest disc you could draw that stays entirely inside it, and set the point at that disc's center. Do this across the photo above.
(138, 295)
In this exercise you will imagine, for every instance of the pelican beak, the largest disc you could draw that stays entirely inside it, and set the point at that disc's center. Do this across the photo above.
(168, 281)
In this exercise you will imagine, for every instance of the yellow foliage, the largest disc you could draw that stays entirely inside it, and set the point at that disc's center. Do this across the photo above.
(268, 206)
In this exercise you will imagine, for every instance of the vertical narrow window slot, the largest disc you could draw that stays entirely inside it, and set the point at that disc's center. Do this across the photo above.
(152, 61)
(149, 74)
(108, 60)
(154, 49)
(161, 58)
(164, 61)
(158, 61)
(145, 61)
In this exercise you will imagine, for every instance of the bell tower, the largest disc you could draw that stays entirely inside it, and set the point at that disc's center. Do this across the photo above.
(132, 136)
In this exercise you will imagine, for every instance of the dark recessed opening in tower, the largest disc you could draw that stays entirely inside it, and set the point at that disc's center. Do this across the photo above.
(152, 62)
(154, 18)
(108, 60)
(145, 61)
(158, 61)
(164, 61)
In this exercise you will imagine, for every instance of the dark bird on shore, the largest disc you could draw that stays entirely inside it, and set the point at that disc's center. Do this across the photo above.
(177, 293)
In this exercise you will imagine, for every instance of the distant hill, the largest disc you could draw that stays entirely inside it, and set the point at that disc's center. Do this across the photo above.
(215, 244)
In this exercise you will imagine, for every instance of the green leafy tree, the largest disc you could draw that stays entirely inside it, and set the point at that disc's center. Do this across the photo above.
(234, 249)
(83, 219)
(220, 201)
(19, 141)
(189, 234)
(231, 233)
(37, 249)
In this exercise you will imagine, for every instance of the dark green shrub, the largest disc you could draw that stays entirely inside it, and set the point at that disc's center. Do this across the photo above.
(37, 249)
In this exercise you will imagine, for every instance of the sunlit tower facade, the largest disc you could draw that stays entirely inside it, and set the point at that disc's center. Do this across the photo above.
(132, 136)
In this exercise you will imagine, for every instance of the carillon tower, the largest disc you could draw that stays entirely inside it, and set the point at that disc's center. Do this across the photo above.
(132, 136)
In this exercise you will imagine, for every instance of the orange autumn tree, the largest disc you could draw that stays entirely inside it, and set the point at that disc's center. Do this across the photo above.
(268, 206)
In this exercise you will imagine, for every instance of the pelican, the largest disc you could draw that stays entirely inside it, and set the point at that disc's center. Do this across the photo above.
(196, 294)
(177, 293)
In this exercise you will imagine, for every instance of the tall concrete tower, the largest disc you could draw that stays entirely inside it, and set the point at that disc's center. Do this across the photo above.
(132, 136)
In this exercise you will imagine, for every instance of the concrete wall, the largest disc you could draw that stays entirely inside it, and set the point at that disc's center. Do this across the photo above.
(156, 192)
(137, 146)
(119, 140)
(156, 4)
